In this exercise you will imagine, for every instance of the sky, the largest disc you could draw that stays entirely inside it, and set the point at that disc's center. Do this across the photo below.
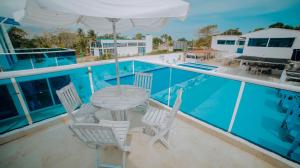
(243, 14)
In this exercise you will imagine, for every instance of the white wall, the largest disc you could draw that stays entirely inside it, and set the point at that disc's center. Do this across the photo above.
(149, 43)
(226, 50)
(272, 52)
(127, 51)
(266, 52)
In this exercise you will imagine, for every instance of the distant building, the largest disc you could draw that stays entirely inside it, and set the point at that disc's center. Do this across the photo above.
(227, 44)
(125, 47)
(180, 45)
(274, 43)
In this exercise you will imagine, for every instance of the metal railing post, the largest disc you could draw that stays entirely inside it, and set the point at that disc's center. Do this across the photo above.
(22, 101)
(236, 107)
(91, 79)
(169, 90)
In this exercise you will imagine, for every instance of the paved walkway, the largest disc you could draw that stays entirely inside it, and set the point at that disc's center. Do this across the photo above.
(55, 147)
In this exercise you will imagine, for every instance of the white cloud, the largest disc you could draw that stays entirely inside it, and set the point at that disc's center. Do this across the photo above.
(8, 7)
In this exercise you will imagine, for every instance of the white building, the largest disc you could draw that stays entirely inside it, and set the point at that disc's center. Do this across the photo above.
(125, 47)
(270, 43)
(226, 44)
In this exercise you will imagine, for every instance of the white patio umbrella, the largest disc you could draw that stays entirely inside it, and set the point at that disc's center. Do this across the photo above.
(103, 16)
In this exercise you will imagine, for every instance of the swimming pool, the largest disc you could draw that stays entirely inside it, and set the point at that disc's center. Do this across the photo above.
(210, 99)
(199, 66)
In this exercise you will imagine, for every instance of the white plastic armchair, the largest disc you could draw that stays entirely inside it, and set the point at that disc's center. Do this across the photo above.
(105, 133)
(77, 110)
(160, 121)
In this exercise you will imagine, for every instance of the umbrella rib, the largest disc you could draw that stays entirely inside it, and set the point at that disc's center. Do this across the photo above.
(133, 25)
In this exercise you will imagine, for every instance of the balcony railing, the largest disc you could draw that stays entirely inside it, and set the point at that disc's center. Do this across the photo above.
(24, 59)
(244, 107)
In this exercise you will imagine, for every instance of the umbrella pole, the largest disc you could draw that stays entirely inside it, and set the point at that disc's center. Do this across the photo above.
(115, 50)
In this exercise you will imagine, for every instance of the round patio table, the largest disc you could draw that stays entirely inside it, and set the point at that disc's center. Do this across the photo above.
(119, 99)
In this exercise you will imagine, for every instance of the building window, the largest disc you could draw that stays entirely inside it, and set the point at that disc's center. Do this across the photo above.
(107, 45)
(221, 42)
(132, 44)
(258, 42)
(281, 42)
(142, 44)
(226, 42)
(122, 44)
(241, 43)
(230, 42)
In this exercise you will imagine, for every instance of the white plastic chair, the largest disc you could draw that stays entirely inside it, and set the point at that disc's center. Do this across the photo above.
(160, 121)
(106, 133)
(144, 81)
(77, 111)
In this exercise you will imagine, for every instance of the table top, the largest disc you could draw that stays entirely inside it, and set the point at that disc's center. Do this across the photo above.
(117, 98)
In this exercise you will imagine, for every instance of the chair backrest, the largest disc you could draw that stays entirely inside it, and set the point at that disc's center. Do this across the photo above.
(69, 98)
(143, 80)
(95, 134)
(175, 109)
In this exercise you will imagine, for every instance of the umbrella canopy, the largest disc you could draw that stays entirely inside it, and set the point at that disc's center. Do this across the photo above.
(144, 14)
(103, 16)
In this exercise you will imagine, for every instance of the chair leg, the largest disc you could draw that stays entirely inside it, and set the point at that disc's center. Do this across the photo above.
(98, 159)
(119, 115)
(124, 159)
(163, 137)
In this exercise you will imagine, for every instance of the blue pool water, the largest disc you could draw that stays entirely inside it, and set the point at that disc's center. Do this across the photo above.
(199, 66)
(208, 98)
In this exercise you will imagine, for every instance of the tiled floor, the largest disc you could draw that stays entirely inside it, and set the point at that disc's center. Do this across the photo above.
(55, 147)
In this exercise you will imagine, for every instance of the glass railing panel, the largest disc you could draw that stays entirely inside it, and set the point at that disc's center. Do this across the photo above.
(105, 75)
(140, 66)
(11, 112)
(160, 83)
(207, 98)
(262, 119)
(39, 91)
(26, 60)
(40, 61)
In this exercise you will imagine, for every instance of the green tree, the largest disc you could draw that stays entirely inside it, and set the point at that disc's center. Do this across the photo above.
(205, 35)
(258, 29)
(277, 25)
(167, 39)
(81, 44)
(235, 31)
(182, 39)
(138, 36)
(156, 42)
(18, 37)
(92, 35)
(207, 31)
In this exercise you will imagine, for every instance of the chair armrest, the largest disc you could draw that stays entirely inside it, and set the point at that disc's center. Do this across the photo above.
(114, 124)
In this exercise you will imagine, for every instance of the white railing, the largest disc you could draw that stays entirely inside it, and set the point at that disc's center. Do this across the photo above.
(13, 74)
(38, 52)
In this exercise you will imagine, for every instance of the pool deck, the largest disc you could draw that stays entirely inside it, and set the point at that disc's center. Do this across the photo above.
(53, 145)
